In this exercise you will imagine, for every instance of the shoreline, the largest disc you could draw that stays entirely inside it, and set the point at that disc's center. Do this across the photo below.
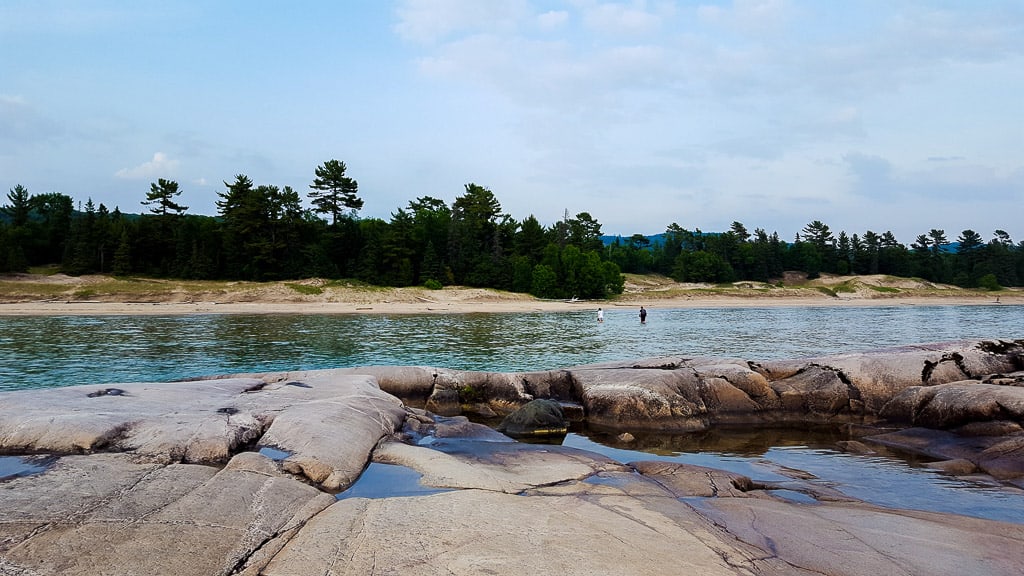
(470, 306)
(97, 295)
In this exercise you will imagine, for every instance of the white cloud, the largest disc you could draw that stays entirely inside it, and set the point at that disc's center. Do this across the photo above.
(552, 19)
(21, 123)
(752, 17)
(614, 18)
(159, 167)
(429, 21)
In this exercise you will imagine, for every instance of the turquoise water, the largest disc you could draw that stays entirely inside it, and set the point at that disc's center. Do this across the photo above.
(50, 351)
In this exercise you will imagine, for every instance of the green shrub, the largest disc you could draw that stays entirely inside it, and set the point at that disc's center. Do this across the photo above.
(469, 395)
(887, 289)
(306, 289)
(989, 282)
(432, 284)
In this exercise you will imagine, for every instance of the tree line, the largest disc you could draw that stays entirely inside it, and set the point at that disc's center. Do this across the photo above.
(264, 232)
(694, 256)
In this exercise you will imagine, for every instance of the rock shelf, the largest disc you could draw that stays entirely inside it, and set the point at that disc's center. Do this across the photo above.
(161, 478)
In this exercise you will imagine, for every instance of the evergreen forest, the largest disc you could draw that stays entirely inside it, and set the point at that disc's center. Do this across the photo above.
(264, 232)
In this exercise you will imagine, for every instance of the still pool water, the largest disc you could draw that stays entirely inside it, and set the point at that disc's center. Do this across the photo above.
(886, 479)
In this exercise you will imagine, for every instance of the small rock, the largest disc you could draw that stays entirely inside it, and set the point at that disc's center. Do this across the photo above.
(957, 467)
(539, 417)
(854, 447)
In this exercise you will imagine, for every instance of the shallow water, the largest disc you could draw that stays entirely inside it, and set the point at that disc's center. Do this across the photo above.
(14, 466)
(890, 480)
(50, 351)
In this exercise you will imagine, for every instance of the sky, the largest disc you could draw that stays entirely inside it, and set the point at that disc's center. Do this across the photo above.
(864, 114)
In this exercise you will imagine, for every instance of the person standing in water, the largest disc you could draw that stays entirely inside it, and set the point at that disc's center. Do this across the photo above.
(643, 315)
(600, 315)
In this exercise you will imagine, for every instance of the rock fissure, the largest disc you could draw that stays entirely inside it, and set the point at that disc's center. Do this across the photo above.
(287, 533)
(112, 437)
(930, 366)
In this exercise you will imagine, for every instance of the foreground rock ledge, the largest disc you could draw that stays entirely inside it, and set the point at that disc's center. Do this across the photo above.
(161, 478)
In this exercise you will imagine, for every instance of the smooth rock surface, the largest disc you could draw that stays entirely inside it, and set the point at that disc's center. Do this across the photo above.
(680, 393)
(860, 540)
(162, 478)
(329, 422)
(105, 514)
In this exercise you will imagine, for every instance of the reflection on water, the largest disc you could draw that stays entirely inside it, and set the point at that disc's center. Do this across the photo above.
(388, 481)
(886, 479)
(65, 350)
(14, 466)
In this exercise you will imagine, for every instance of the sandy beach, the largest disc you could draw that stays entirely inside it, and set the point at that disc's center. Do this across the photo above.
(38, 295)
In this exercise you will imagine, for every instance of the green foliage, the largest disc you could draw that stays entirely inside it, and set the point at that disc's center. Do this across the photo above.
(20, 206)
(161, 198)
(306, 289)
(432, 284)
(469, 394)
(701, 266)
(333, 192)
(884, 289)
(989, 282)
(544, 283)
(263, 232)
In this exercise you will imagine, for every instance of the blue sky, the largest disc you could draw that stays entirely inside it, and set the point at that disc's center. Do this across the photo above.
(866, 115)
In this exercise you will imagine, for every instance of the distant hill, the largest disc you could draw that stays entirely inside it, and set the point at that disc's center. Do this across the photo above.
(658, 239)
(654, 239)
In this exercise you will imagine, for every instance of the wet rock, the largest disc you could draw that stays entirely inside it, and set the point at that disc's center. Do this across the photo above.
(535, 418)
(956, 404)
(573, 412)
(854, 447)
(686, 480)
(484, 410)
(957, 467)
(461, 427)
(444, 402)
(1001, 457)
(1004, 459)
(508, 467)
(106, 392)
(990, 428)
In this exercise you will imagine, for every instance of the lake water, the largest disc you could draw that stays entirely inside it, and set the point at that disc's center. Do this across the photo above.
(37, 352)
(66, 350)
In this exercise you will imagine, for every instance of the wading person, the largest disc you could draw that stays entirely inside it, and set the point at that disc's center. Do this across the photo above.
(643, 315)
